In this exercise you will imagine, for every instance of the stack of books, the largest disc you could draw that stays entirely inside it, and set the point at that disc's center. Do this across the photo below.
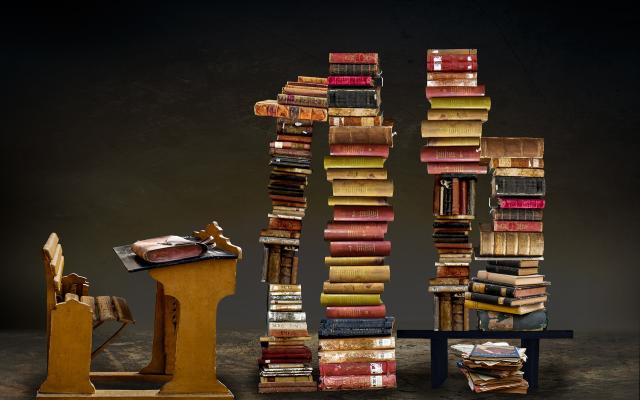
(453, 129)
(285, 365)
(510, 293)
(493, 367)
(357, 347)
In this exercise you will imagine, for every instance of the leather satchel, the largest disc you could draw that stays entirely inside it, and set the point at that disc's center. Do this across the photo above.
(169, 248)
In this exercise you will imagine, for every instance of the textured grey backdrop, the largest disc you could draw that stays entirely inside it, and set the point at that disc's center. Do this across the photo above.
(122, 123)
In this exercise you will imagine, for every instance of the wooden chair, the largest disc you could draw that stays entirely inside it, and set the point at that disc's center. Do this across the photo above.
(71, 317)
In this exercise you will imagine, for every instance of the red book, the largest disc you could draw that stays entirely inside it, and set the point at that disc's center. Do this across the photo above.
(290, 152)
(450, 154)
(355, 231)
(355, 382)
(286, 224)
(454, 91)
(358, 368)
(452, 272)
(349, 80)
(469, 66)
(353, 58)
(363, 213)
(448, 58)
(362, 248)
(517, 226)
(514, 202)
(366, 150)
(357, 312)
(455, 168)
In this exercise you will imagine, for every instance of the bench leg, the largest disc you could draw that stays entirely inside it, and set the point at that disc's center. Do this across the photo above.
(531, 366)
(439, 361)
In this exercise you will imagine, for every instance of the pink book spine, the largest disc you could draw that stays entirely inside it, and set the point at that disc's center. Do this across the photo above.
(348, 80)
(454, 91)
(512, 202)
(450, 154)
(448, 58)
(455, 168)
(348, 382)
(358, 368)
(517, 226)
(366, 150)
(360, 248)
(465, 66)
(353, 58)
(357, 312)
(363, 213)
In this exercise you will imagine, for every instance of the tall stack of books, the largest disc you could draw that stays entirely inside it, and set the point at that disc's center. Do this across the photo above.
(510, 293)
(285, 365)
(453, 129)
(493, 367)
(356, 342)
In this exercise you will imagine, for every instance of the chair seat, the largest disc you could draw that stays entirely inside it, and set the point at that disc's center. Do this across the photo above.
(106, 308)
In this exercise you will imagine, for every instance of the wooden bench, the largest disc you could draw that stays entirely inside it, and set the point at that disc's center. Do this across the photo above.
(71, 317)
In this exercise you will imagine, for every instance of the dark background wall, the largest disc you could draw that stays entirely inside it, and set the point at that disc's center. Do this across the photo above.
(125, 122)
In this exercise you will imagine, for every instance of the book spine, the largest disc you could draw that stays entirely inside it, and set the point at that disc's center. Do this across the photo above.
(457, 114)
(357, 382)
(490, 289)
(353, 162)
(335, 174)
(521, 203)
(506, 162)
(450, 154)
(363, 150)
(453, 141)
(436, 76)
(435, 66)
(354, 260)
(290, 152)
(517, 226)
(454, 91)
(324, 332)
(451, 128)
(457, 313)
(353, 58)
(357, 322)
(497, 321)
(354, 69)
(312, 79)
(360, 248)
(353, 112)
(350, 80)
(379, 137)
(455, 195)
(496, 147)
(362, 355)
(455, 168)
(285, 224)
(345, 300)
(353, 287)
(360, 273)
(365, 368)
(464, 197)
(450, 58)
(447, 272)
(289, 145)
(357, 312)
(357, 343)
(516, 214)
(363, 213)
(273, 109)
(273, 268)
(363, 187)
(294, 270)
(487, 298)
(346, 231)
(519, 172)
(518, 186)
(356, 121)
(511, 243)
(462, 102)
(363, 98)
(307, 101)
(446, 323)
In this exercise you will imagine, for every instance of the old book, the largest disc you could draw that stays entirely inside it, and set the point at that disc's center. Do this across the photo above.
(507, 291)
(356, 121)
(313, 79)
(437, 168)
(457, 114)
(304, 91)
(450, 154)
(296, 379)
(448, 128)
(356, 201)
(285, 224)
(464, 197)
(508, 162)
(167, 248)
(286, 316)
(433, 76)
(353, 287)
(353, 58)
(354, 97)
(448, 281)
(497, 321)
(287, 329)
(294, 270)
(353, 112)
(515, 202)
(506, 301)
(355, 173)
(516, 214)
(521, 263)
(361, 355)
(344, 300)
(452, 66)
(285, 288)
(381, 134)
(359, 273)
(294, 138)
(510, 279)
(512, 147)
(279, 240)
(363, 187)
(504, 309)
(517, 226)
(508, 270)
(352, 248)
(386, 322)
(445, 317)
(457, 313)
(369, 260)
(355, 231)
(455, 196)
(517, 186)
(378, 311)
(290, 152)
(523, 172)
(447, 288)
(363, 150)
(445, 272)
(357, 382)
(359, 368)
(354, 69)
(454, 91)
(297, 100)
(453, 141)
(273, 266)
(479, 102)
(354, 80)
(510, 243)
(363, 213)
(441, 52)
(353, 162)
(453, 82)
(271, 108)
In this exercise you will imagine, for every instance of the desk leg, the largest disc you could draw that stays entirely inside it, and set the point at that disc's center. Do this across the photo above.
(439, 361)
(531, 366)
(158, 357)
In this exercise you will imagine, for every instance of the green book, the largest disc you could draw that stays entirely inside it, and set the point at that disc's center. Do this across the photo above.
(329, 300)
(353, 162)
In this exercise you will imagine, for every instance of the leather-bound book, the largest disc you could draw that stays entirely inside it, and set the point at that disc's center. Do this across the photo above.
(353, 58)
(167, 248)
(357, 382)
(357, 343)
(359, 368)
(445, 318)
(512, 147)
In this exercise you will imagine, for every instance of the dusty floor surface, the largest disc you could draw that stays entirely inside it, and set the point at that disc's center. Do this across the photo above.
(587, 367)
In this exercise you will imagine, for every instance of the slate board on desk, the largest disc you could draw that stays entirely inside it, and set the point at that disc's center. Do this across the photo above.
(134, 263)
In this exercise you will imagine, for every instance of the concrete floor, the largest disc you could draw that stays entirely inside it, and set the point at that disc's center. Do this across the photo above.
(587, 367)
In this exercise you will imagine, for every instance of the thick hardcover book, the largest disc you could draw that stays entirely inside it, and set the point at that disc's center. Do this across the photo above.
(345, 300)
(353, 162)
(497, 321)
(453, 141)
(353, 288)
(356, 121)
(450, 154)
(362, 355)
(519, 310)
(290, 152)
(512, 147)
(363, 213)
(517, 186)
(437, 168)
(363, 150)
(444, 313)
(516, 214)
(353, 58)
(279, 144)
(447, 288)
(510, 243)
(294, 138)
(307, 101)
(507, 162)
(357, 368)
(271, 108)
(355, 231)
(363, 187)
(371, 135)
(517, 226)
(332, 323)
(353, 112)
(454, 91)
(452, 54)
(509, 270)
(279, 240)
(360, 248)
(379, 311)
(312, 79)
(305, 91)
(452, 83)
(435, 66)
(515, 202)
(354, 69)
(359, 273)
(479, 102)
(457, 114)
(357, 382)
(448, 272)
(437, 76)
(504, 301)
(286, 316)
(521, 172)
(510, 279)
(354, 98)
(442, 128)
(357, 201)
(506, 291)
(354, 80)
(285, 224)
(361, 343)
(354, 260)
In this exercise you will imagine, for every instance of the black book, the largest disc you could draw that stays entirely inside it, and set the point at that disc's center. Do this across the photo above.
(517, 186)
(503, 269)
(357, 98)
(354, 69)
(516, 214)
(497, 321)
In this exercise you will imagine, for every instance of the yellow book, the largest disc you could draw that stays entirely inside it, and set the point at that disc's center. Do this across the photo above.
(526, 172)
(483, 102)
(353, 287)
(353, 162)
(363, 187)
(357, 201)
(359, 355)
(457, 114)
(368, 260)
(359, 273)
(432, 128)
(330, 300)
(312, 79)
(353, 112)
(453, 141)
(519, 310)
(356, 173)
